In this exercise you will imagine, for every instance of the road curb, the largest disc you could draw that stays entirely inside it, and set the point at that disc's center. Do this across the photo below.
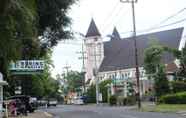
(182, 113)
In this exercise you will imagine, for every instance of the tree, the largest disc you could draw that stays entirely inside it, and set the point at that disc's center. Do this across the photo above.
(152, 58)
(53, 21)
(104, 89)
(91, 94)
(22, 22)
(43, 84)
(181, 74)
(161, 82)
(74, 81)
(154, 67)
(37, 87)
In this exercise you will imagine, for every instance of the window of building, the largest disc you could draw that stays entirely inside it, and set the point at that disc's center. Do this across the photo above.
(126, 75)
(122, 75)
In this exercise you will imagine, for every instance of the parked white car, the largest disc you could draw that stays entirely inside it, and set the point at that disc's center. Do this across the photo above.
(78, 101)
(52, 102)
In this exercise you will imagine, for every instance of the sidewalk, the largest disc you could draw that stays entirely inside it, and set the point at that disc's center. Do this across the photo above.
(36, 114)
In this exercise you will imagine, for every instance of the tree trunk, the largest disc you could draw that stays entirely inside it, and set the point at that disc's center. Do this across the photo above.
(4, 6)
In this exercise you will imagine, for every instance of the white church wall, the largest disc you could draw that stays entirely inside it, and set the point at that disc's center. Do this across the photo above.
(95, 54)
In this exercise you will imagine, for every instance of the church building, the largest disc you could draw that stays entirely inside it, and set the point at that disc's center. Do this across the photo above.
(115, 59)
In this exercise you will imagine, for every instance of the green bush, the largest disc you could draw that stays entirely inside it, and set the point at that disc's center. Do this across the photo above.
(103, 89)
(178, 86)
(177, 98)
(112, 100)
(91, 94)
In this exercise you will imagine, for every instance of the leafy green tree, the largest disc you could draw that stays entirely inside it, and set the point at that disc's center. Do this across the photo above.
(161, 82)
(181, 74)
(37, 88)
(53, 20)
(152, 58)
(74, 81)
(154, 67)
(91, 94)
(104, 89)
(21, 23)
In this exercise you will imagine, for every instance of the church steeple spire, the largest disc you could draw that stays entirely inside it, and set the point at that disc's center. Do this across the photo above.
(115, 34)
(92, 30)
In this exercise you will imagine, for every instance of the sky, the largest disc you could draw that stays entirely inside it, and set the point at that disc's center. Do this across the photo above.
(150, 14)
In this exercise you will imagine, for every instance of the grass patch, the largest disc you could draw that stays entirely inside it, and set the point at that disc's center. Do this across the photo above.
(165, 108)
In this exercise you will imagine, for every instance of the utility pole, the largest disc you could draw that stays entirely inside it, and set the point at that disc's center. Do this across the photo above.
(83, 57)
(67, 68)
(95, 71)
(135, 46)
(95, 75)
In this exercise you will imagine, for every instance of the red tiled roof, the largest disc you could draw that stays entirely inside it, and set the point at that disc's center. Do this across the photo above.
(171, 67)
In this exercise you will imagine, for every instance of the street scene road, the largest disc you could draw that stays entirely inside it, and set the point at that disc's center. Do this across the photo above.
(93, 111)
(92, 58)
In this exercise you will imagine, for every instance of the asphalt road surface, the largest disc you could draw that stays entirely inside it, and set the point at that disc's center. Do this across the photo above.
(93, 111)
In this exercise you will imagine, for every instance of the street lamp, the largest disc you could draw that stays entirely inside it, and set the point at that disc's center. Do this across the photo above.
(135, 46)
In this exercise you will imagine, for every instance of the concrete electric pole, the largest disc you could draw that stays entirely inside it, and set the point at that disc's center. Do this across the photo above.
(136, 51)
(67, 68)
(95, 75)
(83, 57)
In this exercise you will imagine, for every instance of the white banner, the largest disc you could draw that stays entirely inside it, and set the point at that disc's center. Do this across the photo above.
(27, 65)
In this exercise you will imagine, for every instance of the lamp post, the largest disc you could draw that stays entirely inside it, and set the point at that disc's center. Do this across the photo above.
(135, 48)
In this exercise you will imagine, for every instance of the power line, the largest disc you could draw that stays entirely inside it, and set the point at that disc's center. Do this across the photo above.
(157, 26)
(168, 18)
(172, 16)
(116, 19)
(111, 12)
(122, 15)
(161, 26)
(112, 17)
